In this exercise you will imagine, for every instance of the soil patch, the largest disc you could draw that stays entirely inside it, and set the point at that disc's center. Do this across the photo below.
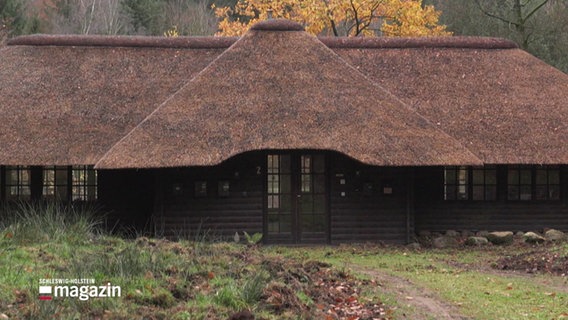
(541, 260)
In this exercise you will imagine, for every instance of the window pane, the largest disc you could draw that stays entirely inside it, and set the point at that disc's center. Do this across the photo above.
(513, 192)
(513, 176)
(285, 163)
(541, 176)
(490, 193)
(450, 176)
(526, 193)
(319, 183)
(478, 193)
(450, 193)
(526, 177)
(462, 176)
(491, 177)
(285, 184)
(306, 183)
(541, 193)
(478, 177)
(554, 192)
(554, 176)
(462, 192)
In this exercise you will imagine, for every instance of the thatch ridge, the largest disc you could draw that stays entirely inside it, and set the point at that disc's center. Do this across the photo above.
(124, 41)
(418, 42)
(207, 42)
(277, 25)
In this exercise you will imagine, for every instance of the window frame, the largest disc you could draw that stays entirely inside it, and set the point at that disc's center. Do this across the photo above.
(6, 187)
(534, 184)
(469, 184)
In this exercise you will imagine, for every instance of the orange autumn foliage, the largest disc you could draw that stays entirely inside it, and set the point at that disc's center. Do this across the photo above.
(337, 17)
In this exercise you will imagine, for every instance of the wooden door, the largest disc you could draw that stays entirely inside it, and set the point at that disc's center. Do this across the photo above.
(296, 198)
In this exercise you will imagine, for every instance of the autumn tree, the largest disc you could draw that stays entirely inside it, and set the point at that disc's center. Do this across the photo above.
(538, 26)
(337, 17)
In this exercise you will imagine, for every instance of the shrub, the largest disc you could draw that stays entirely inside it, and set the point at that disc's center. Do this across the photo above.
(38, 222)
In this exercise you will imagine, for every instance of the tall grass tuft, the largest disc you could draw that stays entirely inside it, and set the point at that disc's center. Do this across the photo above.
(37, 222)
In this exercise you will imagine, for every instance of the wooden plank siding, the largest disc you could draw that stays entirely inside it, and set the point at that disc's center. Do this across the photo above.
(184, 214)
(359, 215)
(434, 214)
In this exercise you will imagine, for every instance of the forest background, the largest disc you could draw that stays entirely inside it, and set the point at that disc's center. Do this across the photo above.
(538, 26)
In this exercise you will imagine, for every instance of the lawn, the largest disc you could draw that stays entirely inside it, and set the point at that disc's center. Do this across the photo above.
(162, 279)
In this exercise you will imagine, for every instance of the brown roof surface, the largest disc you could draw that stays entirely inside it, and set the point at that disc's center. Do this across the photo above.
(504, 105)
(68, 99)
(64, 105)
(278, 89)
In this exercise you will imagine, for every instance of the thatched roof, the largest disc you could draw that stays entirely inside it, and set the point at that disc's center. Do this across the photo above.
(63, 105)
(69, 99)
(280, 88)
(504, 105)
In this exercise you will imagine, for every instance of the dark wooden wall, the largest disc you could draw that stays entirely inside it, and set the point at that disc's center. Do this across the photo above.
(434, 214)
(360, 209)
(181, 213)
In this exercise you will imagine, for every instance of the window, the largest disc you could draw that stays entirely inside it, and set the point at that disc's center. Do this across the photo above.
(279, 191)
(547, 183)
(456, 183)
(484, 183)
(470, 183)
(519, 183)
(18, 181)
(84, 183)
(56, 183)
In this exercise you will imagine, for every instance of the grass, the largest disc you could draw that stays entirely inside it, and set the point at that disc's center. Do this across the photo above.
(461, 277)
(203, 280)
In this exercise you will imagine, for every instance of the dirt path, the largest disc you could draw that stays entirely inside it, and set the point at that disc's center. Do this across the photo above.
(423, 303)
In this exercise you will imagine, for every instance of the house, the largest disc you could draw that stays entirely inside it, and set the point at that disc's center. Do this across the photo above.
(305, 139)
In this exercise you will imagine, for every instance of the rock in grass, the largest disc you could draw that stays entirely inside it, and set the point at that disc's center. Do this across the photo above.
(476, 241)
(242, 315)
(444, 242)
(414, 246)
(452, 233)
(500, 237)
(532, 237)
(555, 235)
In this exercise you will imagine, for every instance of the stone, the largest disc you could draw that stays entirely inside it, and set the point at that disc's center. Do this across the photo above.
(519, 234)
(482, 233)
(533, 237)
(414, 246)
(554, 235)
(444, 242)
(500, 237)
(452, 233)
(476, 241)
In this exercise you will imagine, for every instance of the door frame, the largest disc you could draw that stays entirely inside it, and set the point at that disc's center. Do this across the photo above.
(295, 169)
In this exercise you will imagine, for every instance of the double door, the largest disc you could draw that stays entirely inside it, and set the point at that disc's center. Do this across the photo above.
(296, 198)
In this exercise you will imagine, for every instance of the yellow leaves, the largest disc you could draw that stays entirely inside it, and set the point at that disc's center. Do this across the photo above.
(337, 17)
(172, 32)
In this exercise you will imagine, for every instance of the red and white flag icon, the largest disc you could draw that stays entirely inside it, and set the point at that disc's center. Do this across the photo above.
(45, 293)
